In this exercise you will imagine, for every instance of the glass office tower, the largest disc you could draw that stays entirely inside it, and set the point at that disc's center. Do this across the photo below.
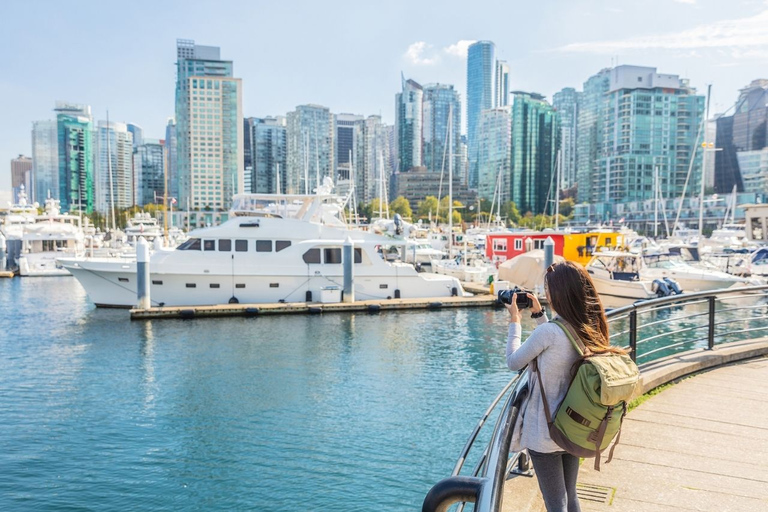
(481, 68)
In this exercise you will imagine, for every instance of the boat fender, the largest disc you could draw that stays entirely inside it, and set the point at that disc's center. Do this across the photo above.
(308, 296)
(434, 305)
(234, 300)
(374, 308)
(187, 314)
(661, 288)
(454, 292)
(673, 286)
(315, 311)
(251, 311)
(397, 294)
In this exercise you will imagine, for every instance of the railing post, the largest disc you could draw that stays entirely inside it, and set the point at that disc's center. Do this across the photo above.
(711, 333)
(633, 335)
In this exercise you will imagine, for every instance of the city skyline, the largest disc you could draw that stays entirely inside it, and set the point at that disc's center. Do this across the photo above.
(578, 41)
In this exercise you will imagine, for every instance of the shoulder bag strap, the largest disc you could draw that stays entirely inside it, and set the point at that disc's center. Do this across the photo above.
(571, 334)
(535, 368)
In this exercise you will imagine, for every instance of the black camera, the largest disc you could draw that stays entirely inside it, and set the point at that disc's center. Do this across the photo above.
(523, 301)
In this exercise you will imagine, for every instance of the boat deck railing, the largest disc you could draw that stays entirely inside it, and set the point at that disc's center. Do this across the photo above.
(650, 330)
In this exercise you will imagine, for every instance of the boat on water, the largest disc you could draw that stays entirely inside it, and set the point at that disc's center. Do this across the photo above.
(616, 276)
(689, 278)
(274, 248)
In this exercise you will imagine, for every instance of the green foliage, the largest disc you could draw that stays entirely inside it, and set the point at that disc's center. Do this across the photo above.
(566, 207)
(402, 206)
(427, 206)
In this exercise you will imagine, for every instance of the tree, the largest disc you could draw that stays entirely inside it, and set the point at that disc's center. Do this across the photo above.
(376, 206)
(427, 207)
(444, 210)
(510, 211)
(402, 206)
(566, 207)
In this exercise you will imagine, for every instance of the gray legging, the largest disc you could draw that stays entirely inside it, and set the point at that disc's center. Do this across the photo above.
(557, 473)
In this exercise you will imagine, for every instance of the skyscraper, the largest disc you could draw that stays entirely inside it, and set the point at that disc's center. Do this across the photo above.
(21, 175)
(45, 160)
(650, 122)
(149, 162)
(566, 102)
(75, 145)
(349, 128)
(494, 152)
(209, 127)
(266, 164)
(743, 137)
(372, 168)
(172, 158)
(408, 125)
(590, 133)
(535, 142)
(137, 132)
(501, 84)
(113, 166)
(310, 148)
(439, 102)
(481, 68)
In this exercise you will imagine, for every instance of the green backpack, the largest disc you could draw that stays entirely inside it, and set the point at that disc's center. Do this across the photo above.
(590, 415)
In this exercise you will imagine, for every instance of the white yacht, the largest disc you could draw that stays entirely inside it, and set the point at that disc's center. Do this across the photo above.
(53, 235)
(18, 216)
(688, 277)
(616, 275)
(274, 248)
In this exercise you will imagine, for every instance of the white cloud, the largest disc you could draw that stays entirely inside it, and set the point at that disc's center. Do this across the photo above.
(415, 54)
(459, 49)
(741, 37)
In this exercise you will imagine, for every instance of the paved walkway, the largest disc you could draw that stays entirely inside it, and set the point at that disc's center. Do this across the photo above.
(699, 445)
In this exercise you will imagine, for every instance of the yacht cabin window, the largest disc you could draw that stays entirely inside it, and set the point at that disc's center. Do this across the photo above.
(282, 244)
(263, 245)
(241, 245)
(225, 245)
(209, 245)
(332, 255)
(193, 244)
(312, 256)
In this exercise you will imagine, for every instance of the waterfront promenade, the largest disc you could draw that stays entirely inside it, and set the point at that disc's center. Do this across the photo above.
(701, 444)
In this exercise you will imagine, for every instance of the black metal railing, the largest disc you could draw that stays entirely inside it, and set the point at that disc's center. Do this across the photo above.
(643, 328)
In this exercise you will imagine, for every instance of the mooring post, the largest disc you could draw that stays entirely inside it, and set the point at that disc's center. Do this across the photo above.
(549, 252)
(142, 273)
(2, 253)
(348, 258)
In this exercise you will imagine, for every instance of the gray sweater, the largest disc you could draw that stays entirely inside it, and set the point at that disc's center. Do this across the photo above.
(556, 357)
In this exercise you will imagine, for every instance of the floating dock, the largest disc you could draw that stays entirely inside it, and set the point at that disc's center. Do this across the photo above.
(289, 308)
(7, 274)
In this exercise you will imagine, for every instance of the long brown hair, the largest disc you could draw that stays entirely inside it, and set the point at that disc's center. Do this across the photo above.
(573, 296)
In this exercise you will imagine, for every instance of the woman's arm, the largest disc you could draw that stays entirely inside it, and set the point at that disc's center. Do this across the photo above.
(520, 354)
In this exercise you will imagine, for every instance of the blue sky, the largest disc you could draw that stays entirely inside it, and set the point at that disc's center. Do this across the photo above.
(348, 55)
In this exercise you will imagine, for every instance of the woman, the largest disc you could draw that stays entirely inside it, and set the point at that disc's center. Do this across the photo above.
(572, 295)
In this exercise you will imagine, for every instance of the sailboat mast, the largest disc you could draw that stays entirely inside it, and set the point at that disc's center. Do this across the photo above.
(557, 190)
(109, 172)
(656, 201)
(450, 181)
(703, 166)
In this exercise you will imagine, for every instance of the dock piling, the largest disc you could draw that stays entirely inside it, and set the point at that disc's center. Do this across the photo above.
(2, 253)
(348, 258)
(142, 274)
(549, 252)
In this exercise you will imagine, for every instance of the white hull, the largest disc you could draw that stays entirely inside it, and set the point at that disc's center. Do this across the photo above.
(635, 290)
(695, 282)
(116, 286)
(42, 264)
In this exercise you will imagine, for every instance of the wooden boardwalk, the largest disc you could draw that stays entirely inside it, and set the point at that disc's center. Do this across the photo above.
(700, 445)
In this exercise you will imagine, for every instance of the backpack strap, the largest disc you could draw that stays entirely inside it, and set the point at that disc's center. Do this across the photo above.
(600, 435)
(571, 334)
(618, 435)
(535, 367)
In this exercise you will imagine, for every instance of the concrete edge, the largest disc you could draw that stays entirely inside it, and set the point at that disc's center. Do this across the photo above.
(664, 370)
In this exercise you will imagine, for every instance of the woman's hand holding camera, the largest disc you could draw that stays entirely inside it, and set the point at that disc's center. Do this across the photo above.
(514, 311)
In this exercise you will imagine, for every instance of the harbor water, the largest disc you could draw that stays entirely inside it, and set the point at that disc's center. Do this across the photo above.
(322, 412)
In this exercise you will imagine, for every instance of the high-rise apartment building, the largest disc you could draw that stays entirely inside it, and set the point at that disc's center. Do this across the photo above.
(535, 143)
(21, 176)
(372, 164)
(409, 126)
(501, 84)
(137, 132)
(310, 148)
(743, 139)
(265, 154)
(441, 102)
(113, 152)
(171, 159)
(650, 123)
(481, 69)
(494, 153)
(589, 126)
(349, 128)
(45, 161)
(566, 102)
(209, 128)
(149, 166)
(75, 148)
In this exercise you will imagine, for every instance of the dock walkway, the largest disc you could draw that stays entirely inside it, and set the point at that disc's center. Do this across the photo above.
(700, 445)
